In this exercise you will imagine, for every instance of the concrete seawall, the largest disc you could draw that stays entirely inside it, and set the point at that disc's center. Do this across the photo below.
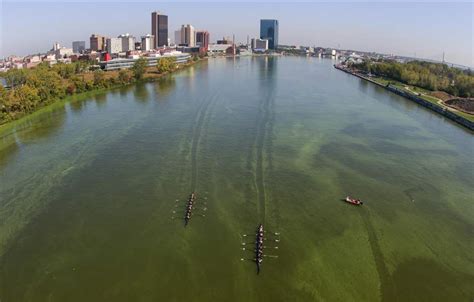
(443, 111)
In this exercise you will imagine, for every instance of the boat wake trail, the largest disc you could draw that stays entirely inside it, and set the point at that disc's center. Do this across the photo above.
(264, 131)
(386, 285)
(197, 133)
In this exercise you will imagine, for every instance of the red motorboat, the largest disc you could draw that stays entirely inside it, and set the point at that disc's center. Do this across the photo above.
(354, 201)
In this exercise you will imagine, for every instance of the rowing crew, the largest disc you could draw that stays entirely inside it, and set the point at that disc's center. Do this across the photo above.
(259, 247)
(189, 207)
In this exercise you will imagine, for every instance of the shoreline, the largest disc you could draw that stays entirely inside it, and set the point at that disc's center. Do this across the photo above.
(458, 119)
(86, 94)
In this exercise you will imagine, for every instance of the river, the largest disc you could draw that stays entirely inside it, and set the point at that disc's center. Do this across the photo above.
(93, 191)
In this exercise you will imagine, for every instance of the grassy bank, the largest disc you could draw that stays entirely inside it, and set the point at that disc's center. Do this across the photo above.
(43, 86)
(422, 93)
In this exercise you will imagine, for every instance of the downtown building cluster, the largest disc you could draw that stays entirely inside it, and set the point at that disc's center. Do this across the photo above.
(121, 51)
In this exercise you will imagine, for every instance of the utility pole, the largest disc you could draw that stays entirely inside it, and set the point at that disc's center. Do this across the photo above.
(443, 57)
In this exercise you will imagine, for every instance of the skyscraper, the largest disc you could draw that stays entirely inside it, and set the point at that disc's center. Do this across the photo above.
(188, 35)
(269, 31)
(159, 29)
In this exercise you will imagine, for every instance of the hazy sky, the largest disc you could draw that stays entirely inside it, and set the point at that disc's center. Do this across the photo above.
(426, 29)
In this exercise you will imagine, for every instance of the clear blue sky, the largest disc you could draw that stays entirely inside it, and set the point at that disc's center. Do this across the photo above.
(405, 28)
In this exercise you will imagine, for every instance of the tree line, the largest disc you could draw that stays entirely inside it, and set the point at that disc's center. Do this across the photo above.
(34, 88)
(427, 75)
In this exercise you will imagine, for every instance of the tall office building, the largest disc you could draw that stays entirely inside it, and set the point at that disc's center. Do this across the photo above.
(177, 37)
(98, 42)
(128, 42)
(78, 46)
(148, 43)
(188, 35)
(269, 31)
(114, 45)
(159, 29)
(202, 38)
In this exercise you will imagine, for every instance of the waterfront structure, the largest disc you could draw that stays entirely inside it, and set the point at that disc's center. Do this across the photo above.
(224, 41)
(217, 49)
(188, 35)
(98, 42)
(202, 39)
(114, 45)
(148, 43)
(259, 44)
(128, 42)
(151, 61)
(269, 31)
(159, 29)
(78, 46)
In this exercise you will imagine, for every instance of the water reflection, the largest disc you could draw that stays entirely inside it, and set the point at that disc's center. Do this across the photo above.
(8, 148)
(77, 105)
(363, 86)
(100, 99)
(29, 130)
(268, 67)
(123, 91)
(42, 126)
(164, 86)
(141, 92)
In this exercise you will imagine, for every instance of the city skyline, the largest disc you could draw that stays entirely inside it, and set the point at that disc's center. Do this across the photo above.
(338, 25)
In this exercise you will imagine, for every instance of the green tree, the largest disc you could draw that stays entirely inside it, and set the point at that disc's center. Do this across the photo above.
(99, 79)
(139, 68)
(15, 77)
(27, 98)
(166, 64)
(124, 76)
(49, 84)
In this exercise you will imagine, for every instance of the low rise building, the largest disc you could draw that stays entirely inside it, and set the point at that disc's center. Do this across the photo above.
(78, 46)
(259, 44)
(63, 52)
(148, 43)
(116, 64)
(217, 49)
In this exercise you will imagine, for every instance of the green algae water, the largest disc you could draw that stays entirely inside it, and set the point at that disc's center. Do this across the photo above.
(88, 191)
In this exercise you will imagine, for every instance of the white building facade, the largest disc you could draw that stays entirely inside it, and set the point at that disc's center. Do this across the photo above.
(259, 44)
(188, 35)
(114, 45)
(148, 42)
(128, 42)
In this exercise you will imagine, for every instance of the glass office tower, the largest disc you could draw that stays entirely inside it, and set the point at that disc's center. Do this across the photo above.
(159, 29)
(269, 30)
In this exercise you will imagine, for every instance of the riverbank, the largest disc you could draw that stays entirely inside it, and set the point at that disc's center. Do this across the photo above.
(460, 118)
(27, 100)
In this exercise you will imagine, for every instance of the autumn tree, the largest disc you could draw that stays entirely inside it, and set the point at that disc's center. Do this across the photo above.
(139, 68)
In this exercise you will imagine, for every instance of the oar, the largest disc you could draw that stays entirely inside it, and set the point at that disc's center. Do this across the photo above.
(270, 256)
